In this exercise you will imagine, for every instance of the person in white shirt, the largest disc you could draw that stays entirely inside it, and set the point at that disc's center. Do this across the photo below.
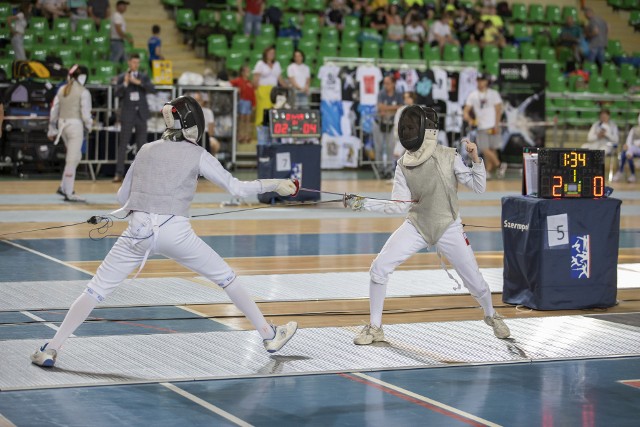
(300, 79)
(414, 31)
(266, 74)
(440, 32)
(18, 25)
(209, 124)
(630, 149)
(119, 33)
(157, 193)
(603, 134)
(486, 105)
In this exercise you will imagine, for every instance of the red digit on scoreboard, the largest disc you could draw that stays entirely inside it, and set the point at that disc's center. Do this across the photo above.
(285, 128)
(598, 186)
(556, 188)
(277, 128)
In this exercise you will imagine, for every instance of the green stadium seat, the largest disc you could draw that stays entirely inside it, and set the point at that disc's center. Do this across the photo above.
(296, 5)
(38, 26)
(631, 4)
(311, 20)
(329, 34)
(411, 51)
(569, 11)
(490, 54)
(634, 19)
(390, 50)
(347, 50)
(254, 57)
(308, 45)
(536, 13)
(552, 15)
(558, 84)
(268, 31)
(207, 17)
(614, 48)
(615, 86)
(240, 42)
(29, 40)
(76, 41)
(229, 21)
(521, 33)
(351, 22)
(547, 54)
(471, 53)
(284, 58)
(370, 50)
(596, 84)
(609, 70)
(6, 10)
(519, 12)
(38, 52)
(431, 53)
(350, 34)
(105, 27)
(261, 43)
(510, 52)
(217, 45)
(6, 64)
(615, 4)
(451, 53)
(275, 3)
(101, 44)
(528, 52)
(62, 27)
(284, 45)
(552, 70)
(310, 32)
(104, 72)
(491, 68)
(185, 19)
(628, 72)
(51, 40)
(316, 5)
(67, 55)
(173, 3)
(554, 32)
(86, 27)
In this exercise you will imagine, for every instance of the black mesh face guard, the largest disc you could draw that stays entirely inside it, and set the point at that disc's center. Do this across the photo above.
(411, 127)
(188, 112)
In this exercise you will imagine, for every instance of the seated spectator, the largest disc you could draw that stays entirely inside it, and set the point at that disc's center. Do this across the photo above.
(603, 134)
(630, 149)
(77, 10)
(358, 8)
(414, 32)
(477, 33)
(489, 14)
(52, 9)
(440, 32)
(491, 36)
(463, 25)
(379, 20)
(392, 12)
(334, 16)
(570, 36)
(504, 10)
(395, 32)
(450, 6)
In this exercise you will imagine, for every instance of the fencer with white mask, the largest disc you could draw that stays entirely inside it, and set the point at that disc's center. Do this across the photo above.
(156, 193)
(425, 187)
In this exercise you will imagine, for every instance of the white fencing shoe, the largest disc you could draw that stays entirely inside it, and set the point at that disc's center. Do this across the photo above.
(44, 357)
(74, 198)
(368, 335)
(500, 329)
(283, 335)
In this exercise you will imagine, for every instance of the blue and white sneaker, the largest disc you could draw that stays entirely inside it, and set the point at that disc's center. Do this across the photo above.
(283, 335)
(44, 357)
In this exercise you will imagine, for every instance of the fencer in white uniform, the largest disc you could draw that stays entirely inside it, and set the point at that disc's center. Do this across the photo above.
(157, 192)
(425, 186)
(69, 118)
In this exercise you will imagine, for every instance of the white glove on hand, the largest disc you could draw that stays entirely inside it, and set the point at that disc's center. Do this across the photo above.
(354, 202)
(284, 187)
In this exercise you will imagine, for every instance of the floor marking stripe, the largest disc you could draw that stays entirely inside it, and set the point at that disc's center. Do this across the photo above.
(434, 405)
(44, 322)
(4, 422)
(50, 258)
(631, 383)
(207, 405)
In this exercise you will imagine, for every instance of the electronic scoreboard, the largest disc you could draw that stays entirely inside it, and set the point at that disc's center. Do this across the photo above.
(570, 173)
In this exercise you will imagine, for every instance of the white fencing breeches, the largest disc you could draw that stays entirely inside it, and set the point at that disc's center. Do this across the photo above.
(72, 133)
(406, 241)
(175, 239)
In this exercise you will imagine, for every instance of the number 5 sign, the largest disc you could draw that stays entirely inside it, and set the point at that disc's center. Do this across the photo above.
(558, 230)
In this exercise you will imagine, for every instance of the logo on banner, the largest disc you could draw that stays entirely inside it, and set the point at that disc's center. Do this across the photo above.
(515, 225)
(580, 257)
(515, 73)
(296, 172)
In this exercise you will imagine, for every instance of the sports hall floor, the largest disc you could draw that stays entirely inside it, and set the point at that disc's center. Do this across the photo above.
(168, 349)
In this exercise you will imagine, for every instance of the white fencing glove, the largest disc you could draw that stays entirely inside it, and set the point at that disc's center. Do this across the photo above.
(284, 187)
(354, 202)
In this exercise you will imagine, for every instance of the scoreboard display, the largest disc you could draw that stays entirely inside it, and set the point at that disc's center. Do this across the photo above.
(564, 173)
(294, 123)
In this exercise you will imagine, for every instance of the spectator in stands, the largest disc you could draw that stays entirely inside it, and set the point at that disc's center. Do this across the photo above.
(490, 14)
(414, 32)
(392, 12)
(486, 105)
(131, 88)
(273, 15)
(597, 33)
(52, 9)
(440, 32)
(246, 104)
(155, 46)
(358, 8)
(389, 101)
(334, 15)
(374, 5)
(18, 25)
(603, 134)
(570, 36)
(266, 74)
(492, 36)
(252, 13)
(209, 140)
(379, 21)
(300, 79)
(477, 33)
(630, 149)
(463, 25)
(77, 10)
(98, 10)
(395, 32)
(119, 32)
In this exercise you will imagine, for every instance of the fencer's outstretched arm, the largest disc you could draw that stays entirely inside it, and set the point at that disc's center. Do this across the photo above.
(474, 177)
(212, 170)
(400, 192)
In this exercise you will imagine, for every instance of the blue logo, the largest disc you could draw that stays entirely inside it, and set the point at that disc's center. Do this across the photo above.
(580, 257)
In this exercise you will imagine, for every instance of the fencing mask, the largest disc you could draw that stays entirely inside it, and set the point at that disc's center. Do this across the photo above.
(80, 73)
(184, 120)
(417, 122)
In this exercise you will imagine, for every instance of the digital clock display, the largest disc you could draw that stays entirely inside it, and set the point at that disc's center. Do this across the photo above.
(570, 173)
(294, 123)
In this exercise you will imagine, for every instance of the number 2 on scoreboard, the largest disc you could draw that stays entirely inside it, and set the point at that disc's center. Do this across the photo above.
(556, 188)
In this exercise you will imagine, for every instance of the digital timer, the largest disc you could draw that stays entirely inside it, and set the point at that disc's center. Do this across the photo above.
(570, 173)
(294, 123)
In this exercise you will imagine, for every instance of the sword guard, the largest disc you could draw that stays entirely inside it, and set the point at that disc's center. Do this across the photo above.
(296, 182)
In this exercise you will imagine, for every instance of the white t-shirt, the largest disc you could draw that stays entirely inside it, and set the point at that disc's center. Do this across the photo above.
(116, 19)
(407, 81)
(414, 34)
(299, 73)
(330, 83)
(20, 23)
(440, 88)
(268, 75)
(440, 29)
(369, 78)
(484, 107)
(467, 83)
(208, 118)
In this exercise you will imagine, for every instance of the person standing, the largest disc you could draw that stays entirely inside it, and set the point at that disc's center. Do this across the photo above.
(597, 33)
(119, 32)
(425, 187)
(389, 101)
(630, 149)
(300, 79)
(155, 46)
(157, 193)
(98, 10)
(252, 12)
(132, 88)
(18, 25)
(486, 105)
(246, 104)
(70, 117)
(266, 74)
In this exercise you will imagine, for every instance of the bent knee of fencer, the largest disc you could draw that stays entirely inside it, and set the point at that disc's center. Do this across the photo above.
(94, 294)
(477, 289)
(379, 274)
(228, 279)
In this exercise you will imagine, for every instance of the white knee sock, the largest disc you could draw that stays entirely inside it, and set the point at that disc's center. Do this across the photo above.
(486, 304)
(377, 293)
(77, 314)
(68, 180)
(243, 301)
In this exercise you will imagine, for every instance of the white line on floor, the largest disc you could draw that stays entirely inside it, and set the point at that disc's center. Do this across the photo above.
(424, 399)
(50, 258)
(44, 322)
(206, 405)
